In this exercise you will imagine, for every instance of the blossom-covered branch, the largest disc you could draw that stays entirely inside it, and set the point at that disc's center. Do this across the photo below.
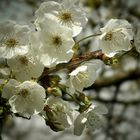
(75, 62)
(31, 83)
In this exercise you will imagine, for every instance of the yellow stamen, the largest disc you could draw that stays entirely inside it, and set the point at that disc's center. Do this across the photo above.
(23, 93)
(108, 36)
(65, 17)
(24, 60)
(57, 41)
(11, 43)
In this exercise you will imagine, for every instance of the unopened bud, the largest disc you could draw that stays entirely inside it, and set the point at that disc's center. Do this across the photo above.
(49, 90)
(55, 126)
(55, 91)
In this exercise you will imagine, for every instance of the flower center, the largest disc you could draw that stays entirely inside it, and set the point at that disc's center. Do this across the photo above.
(65, 16)
(24, 93)
(57, 41)
(60, 108)
(108, 36)
(24, 60)
(11, 43)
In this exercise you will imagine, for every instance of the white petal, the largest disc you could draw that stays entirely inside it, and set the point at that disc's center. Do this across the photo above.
(79, 124)
(94, 121)
(100, 109)
(10, 89)
(47, 7)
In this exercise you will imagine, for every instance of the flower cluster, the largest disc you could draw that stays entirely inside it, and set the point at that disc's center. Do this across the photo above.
(31, 53)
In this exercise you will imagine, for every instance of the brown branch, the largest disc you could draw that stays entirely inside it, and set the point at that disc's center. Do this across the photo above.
(116, 79)
(133, 102)
(103, 82)
(75, 62)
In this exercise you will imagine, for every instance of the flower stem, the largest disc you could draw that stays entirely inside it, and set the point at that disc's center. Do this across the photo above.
(87, 37)
(74, 99)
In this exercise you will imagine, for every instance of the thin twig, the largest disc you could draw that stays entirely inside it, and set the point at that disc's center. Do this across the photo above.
(87, 37)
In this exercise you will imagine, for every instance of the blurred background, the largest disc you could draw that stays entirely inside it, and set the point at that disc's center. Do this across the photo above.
(118, 86)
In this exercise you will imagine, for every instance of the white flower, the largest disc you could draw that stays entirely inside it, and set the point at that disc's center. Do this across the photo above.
(25, 67)
(116, 36)
(83, 76)
(92, 119)
(13, 39)
(57, 42)
(10, 89)
(67, 13)
(26, 98)
(58, 112)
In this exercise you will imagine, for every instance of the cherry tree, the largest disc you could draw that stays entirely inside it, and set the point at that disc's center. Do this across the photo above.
(37, 57)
